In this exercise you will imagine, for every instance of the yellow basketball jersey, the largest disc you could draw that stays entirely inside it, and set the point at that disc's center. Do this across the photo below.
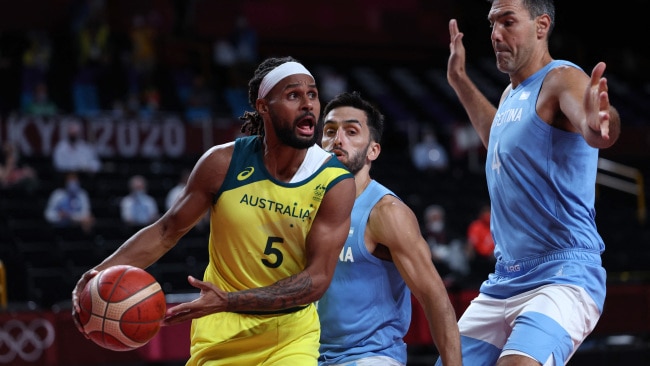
(259, 225)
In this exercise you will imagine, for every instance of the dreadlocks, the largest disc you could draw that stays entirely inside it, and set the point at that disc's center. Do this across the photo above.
(254, 125)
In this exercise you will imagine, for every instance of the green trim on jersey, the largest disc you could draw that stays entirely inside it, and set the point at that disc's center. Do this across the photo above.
(259, 224)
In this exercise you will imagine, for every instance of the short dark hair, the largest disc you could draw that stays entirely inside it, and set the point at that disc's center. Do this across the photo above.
(539, 7)
(354, 100)
(254, 125)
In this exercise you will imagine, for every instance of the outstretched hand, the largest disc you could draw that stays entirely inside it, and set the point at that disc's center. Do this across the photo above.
(596, 102)
(456, 62)
(211, 300)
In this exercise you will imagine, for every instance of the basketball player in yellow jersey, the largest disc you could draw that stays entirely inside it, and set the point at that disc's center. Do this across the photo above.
(280, 213)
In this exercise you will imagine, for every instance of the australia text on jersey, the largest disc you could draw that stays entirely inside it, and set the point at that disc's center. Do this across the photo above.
(291, 210)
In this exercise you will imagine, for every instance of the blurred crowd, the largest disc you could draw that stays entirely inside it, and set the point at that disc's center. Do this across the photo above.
(141, 65)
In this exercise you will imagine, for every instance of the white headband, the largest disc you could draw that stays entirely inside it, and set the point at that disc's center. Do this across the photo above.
(279, 73)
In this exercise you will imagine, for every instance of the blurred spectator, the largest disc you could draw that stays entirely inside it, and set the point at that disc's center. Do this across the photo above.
(200, 101)
(480, 241)
(428, 154)
(244, 41)
(448, 253)
(236, 97)
(144, 53)
(176, 190)
(223, 54)
(69, 206)
(182, 77)
(331, 84)
(138, 208)
(479, 235)
(73, 153)
(466, 146)
(150, 102)
(241, 46)
(94, 61)
(36, 65)
(40, 104)
(235, 58)
(13, 173)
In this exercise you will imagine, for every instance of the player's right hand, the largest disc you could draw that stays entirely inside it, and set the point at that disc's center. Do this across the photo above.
(76, 308)
(456, 62)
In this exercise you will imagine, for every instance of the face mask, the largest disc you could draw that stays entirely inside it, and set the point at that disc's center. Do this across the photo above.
(436, 226)
(72, 186)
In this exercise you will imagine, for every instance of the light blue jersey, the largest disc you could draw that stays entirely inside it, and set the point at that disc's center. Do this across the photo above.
(548, 288)
(541, 182)
(366, 310)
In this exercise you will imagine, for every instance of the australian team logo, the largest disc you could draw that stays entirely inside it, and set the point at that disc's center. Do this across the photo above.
(319, 192)
(244, 174)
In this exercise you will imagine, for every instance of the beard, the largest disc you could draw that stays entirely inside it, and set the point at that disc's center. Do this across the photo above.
(287, 135)
(357, 161)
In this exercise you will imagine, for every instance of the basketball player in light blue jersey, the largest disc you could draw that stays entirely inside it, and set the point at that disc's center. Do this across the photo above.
(548, 287)
(366, 311)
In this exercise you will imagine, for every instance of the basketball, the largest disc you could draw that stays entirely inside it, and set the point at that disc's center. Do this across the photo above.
(122, 307)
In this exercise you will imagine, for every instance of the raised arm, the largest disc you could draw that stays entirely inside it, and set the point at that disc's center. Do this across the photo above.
(479, 109)
(393, 224)
(583, 101)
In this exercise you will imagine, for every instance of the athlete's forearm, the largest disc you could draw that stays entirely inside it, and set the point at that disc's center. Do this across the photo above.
(479, 109)
(290, 292)
(444, 329)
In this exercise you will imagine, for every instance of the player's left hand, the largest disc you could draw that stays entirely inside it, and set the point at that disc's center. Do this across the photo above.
(211, 300)
(596, 102)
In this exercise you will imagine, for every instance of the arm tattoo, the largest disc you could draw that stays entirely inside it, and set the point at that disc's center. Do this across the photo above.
(291, 291)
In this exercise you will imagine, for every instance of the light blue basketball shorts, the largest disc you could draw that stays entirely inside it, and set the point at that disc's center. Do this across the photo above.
(547, 324)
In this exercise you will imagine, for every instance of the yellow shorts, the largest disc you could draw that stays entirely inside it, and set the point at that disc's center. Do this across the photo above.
(237, 339)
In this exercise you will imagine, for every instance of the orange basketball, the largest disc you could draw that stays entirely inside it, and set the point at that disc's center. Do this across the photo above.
(122, 307)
